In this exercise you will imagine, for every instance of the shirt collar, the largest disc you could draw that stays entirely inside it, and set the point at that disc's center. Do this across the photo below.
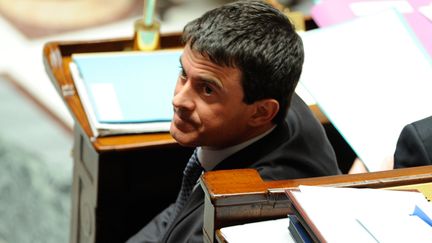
(210, 158)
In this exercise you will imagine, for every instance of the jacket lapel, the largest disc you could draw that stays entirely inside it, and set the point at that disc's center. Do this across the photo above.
(195, 201)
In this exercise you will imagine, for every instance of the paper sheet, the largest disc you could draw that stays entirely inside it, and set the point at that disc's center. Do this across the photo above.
(370, 77)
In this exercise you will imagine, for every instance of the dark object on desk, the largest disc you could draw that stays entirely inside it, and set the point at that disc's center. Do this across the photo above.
(297, 231)
(414, 146)
(302, 220)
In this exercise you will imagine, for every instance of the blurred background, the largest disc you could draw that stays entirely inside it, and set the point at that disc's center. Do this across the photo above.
(35, 127)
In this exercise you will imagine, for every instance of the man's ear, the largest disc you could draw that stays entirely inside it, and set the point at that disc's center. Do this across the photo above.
(264, 112)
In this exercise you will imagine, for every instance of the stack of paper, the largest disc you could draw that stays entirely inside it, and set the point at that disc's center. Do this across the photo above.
(370, 76)
(362, 215)
(126, 92)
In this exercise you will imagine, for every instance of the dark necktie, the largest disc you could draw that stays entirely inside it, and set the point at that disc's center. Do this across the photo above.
(191, 174)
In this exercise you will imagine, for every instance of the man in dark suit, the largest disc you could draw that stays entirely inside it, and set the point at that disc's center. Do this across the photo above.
(240, 66)
(414, 146)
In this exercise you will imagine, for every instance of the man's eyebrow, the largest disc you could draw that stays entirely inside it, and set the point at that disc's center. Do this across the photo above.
(212, 80)
(205, 78)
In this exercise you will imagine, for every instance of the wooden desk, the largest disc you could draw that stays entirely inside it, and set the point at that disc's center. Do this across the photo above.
(241, 196)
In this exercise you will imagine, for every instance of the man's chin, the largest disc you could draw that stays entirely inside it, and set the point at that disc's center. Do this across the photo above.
(186, 143)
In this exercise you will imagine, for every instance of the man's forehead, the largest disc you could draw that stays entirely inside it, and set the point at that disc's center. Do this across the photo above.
(204, 56)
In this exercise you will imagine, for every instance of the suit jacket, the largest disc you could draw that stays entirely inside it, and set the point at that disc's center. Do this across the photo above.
(414, 146)
(297, 148)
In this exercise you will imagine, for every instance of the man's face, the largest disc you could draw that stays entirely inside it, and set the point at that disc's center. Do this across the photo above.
(208, 104)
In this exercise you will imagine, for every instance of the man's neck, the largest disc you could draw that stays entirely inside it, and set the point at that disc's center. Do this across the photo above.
(210, 157)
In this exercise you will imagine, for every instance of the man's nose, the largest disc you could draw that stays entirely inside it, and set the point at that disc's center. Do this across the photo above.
(183, 97)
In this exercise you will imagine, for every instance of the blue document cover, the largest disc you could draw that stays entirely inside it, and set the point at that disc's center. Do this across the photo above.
(127, 92)
(298, 232)
(130, 87)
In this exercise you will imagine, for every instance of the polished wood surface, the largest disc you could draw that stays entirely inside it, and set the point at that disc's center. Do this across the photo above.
(241, 196)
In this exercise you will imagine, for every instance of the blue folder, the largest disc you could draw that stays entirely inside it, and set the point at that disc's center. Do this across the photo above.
(128, 87)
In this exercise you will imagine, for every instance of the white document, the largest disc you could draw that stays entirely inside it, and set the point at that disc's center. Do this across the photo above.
(426, 11)
(106, 101)
(366, 215)
(405, 228)
(370, 76)
(275, 231)
(363, 8)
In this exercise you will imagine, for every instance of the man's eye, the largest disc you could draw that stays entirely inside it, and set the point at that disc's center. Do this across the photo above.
(207, 90)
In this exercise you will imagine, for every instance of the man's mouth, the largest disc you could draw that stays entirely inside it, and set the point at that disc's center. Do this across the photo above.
(183, 123)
